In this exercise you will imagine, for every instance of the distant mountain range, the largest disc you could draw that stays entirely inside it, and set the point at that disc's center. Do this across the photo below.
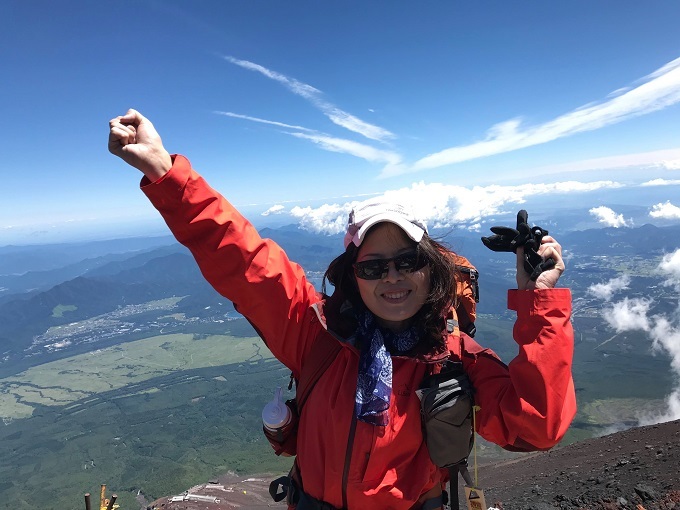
(42, 257)
(109, 301)
(93, 278)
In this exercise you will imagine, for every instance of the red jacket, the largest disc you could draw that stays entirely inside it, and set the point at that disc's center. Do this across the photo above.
(526, 405)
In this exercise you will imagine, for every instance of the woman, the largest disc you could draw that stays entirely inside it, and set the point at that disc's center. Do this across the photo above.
(360, 443)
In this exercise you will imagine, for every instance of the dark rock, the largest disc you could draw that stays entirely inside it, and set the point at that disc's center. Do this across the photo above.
(646, 492)
(542, 506)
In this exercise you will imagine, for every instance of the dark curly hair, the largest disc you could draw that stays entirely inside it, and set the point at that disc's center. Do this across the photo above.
(442, 295)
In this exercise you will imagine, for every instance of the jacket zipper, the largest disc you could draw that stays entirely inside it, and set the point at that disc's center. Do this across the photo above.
(348, 459)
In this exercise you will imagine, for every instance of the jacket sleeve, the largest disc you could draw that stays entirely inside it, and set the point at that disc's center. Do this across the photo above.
(254, 273)
(528, 404)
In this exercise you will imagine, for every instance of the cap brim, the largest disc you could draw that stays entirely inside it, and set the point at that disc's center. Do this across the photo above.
(411, 229)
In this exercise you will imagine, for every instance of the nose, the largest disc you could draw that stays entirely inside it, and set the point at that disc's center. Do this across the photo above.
(393, 275)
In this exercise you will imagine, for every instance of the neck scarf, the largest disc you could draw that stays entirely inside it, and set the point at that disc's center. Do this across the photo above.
(374, 382)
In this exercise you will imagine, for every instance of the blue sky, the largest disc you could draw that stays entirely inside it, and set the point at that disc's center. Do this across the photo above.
(302, 107)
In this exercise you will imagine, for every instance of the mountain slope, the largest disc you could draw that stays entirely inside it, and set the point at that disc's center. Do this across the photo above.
(639, 466)
(638, 469)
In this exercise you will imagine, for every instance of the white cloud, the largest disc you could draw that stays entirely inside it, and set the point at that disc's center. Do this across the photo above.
(315, 96)
(663, 330)
(443, 205)
(673, 164)
(328, 219)
(666, 339)
(608, 217)
(658, 90)
(579, 187)
(275, 209)
(661, 182)
(605, 291)
(670, 266)
(666, 211)
(628, 315)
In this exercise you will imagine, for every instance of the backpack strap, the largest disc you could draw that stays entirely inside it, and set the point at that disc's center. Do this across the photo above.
(468, 295)
(454, 483)
(324, 350)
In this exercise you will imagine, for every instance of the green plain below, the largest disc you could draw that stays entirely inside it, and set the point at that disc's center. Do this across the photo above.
(162, 414)
(61, 382)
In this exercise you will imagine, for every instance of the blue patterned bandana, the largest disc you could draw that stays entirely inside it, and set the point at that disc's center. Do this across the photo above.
(374, 382)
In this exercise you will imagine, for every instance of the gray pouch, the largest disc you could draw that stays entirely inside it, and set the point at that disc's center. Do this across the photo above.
(446, 401)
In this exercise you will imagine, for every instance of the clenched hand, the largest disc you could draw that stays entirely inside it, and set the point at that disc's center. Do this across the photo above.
(133, 138)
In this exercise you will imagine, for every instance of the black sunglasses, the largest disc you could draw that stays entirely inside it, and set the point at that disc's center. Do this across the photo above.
(377, 269)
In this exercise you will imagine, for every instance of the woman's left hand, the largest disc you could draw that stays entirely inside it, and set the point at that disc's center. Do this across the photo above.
(549, 249)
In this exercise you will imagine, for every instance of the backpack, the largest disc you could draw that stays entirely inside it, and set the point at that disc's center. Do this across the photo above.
(325, 348)
(447, 408)
(467, 294)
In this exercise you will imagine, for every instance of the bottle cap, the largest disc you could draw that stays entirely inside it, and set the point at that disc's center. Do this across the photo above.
(276, 413)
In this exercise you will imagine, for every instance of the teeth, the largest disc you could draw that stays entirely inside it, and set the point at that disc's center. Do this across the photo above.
(395, 295)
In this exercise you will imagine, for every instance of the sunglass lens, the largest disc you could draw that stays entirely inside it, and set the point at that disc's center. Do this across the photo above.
(371, 269)
(406, 263)
(377, 269)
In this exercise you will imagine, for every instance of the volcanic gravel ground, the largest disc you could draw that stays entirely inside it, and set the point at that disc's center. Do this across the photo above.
(639, 466)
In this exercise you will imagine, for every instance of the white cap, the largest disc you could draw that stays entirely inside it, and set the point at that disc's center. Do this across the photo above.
(377, 210)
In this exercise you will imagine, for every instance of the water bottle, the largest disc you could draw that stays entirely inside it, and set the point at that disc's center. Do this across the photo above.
(279, 422)
(276, 414)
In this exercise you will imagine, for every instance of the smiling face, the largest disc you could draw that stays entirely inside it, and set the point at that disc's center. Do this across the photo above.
(397, 297)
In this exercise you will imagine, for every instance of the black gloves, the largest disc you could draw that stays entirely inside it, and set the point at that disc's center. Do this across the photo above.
(509, 239)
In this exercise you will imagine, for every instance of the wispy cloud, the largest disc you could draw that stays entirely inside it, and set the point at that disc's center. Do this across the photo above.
(661, 182)
(655, 159)
(665, 210)
(653, 92)
(605, 291)
(263, 121)
(328, 142)
(360, 150)
(608, 217)
(316, 97)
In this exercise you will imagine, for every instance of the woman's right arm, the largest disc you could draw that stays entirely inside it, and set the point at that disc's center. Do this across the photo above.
(254, 273)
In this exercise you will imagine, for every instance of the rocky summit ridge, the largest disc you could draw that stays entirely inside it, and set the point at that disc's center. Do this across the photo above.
(636, 469)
